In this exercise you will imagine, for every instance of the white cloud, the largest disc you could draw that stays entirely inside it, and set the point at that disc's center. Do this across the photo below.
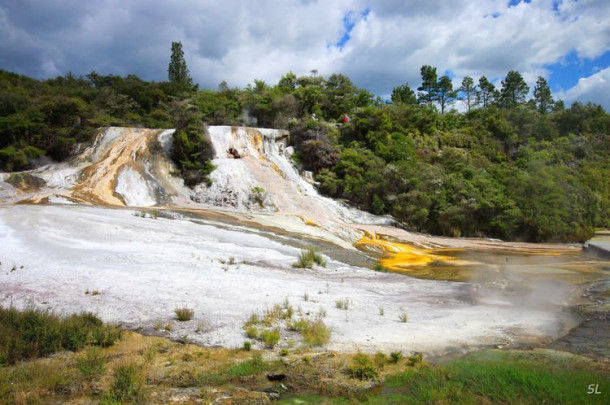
(595, 88)
(239, 41)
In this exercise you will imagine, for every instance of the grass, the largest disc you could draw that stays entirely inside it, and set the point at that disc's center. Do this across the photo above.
(248, 367)
(128, 384)
(270, 336)
(33, 332)
(316, 334)
(308, 258)
(184, 314)
(342, 304)
(395, 357)
(380, 267)
(503, 378)
(140, 369)
(362, 368)
(91, 363)
(403, 317)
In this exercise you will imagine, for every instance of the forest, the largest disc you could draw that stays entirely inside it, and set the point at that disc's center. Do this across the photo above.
(504, 166)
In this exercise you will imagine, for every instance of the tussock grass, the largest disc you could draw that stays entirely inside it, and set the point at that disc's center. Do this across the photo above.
(316, 334)
(342, 304)
(35, 333)
(184, 314)
(270, 336)
(128, 384)
(362, 368)
(308, 258)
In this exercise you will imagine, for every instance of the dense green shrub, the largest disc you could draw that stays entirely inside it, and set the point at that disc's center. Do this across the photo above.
(31, 333)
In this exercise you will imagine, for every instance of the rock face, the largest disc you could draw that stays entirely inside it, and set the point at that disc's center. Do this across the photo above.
(119, 169)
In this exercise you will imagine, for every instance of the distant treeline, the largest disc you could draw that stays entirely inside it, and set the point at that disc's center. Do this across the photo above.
(506, 167)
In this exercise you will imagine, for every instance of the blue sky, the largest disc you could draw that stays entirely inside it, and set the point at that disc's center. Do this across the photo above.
(379, 44)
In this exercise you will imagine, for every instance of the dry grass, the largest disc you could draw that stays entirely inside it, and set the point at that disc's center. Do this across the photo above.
(140, 369)
(184, 314)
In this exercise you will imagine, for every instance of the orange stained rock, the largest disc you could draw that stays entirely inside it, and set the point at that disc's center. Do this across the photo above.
(99, 179)
(398, 256)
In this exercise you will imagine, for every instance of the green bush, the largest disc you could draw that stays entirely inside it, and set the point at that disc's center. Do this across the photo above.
(395, 357)
(362, 368)
(308, 258)
(32, 333)
(92, 363)
(270, 337)
(128, 384)
(184, 314)
(316, 334)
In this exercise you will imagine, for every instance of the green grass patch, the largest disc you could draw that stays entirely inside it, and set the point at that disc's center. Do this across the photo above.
(308, 258)
(504, 378)
(32, 333)
(248, 367)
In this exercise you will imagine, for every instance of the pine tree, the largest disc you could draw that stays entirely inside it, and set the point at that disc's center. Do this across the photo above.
(471, 95)
(177, 71)
(445, 95)
(542, 95)
(429, 87)
(487, 91)
(514, 90)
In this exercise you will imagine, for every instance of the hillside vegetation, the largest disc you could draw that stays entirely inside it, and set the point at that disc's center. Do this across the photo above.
(506, 167)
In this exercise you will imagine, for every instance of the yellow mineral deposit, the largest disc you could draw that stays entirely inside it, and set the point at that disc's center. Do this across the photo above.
(397, 256)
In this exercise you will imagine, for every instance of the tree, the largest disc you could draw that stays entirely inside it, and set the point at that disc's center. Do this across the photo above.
(487, 92)
(514, 90)
(444, 92)
(428, 89)
(471, 95)
(177, 71)
(542, 96)
(403, 94)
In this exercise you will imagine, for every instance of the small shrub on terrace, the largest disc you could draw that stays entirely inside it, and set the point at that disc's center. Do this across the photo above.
(270, 337)
(247, 345)
(299, 325)
(184, 314)
(416, 358)
(252, 332)
(307, 259)
(395, 357)
(380, 359)
(253, 320)
(362, 368)
(342, 304)
(379, 267)
(128, 384)
(316, 334)
(91, 363)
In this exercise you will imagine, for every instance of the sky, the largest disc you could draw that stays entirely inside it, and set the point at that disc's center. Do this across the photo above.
(379, 44)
